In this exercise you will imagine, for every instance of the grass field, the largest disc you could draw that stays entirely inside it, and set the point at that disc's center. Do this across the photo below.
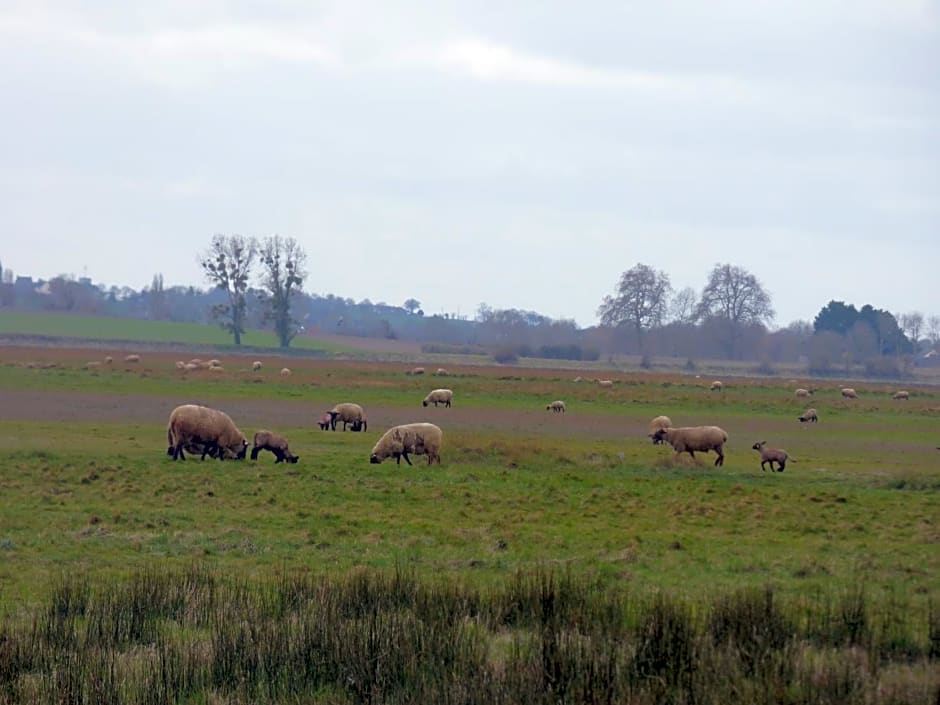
(105, 328)
(89, 493)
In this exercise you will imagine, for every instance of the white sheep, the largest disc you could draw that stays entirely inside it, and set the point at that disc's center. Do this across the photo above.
(803, 393)
(108, 360)
(441, 372)
(439, 396)
(256, 366)
(849, 393)
(660, 422)
(285, 372)
(216, 368)
(180, 365)
(133, 357)
(213, 429)
(809, 415)
(348, 413)
(557, 407)
(414, 438)
(605, 383)
(716, 386)
(415, 371)
(190, 367)
(690, 439)
(901, 395)
(772, 455)
(578, 378)
(274, 442)
(214, 363)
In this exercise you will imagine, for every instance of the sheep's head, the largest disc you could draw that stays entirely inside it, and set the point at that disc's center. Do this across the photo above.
(424, 403)
(374, 459)
(293, 459)
(659, 436)
(759, 445)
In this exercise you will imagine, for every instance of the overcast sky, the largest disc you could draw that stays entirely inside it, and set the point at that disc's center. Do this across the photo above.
(499, 152)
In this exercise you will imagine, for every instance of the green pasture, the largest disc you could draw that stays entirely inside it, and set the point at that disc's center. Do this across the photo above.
(105, 328)
(861, 507)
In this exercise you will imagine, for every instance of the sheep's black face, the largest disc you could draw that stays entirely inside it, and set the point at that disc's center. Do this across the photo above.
(757, 446)
(658, 436)
(293, 459)
(374, 459)
(424, 403)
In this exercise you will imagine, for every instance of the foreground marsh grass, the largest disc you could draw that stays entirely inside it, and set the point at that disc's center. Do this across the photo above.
(540, 636)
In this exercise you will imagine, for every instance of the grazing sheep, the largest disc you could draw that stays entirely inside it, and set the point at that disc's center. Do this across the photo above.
(803, 393)
(348, 413)
(809, 415)
(256, 366)
(216, 368)
(180, 365)
(211, 428)
(901, 395)
(605, 383)
(557, 406)
(578, 379)
(442, 396)
(849, 393)
(656, 424)
(196, 361)
(190, 367)
(441, 372)
(214, 363)
(689, 439)
(414, 438)
(285, 372)
(132, 358)
(93, 365)
(772, 455)
(108, 360)
(415, 371)
(274, 442)
(716, 386)
(325, 420)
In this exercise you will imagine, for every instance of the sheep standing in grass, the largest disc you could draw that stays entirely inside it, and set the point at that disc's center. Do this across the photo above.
(325, 420)
(180, 365)
(605, 383)
(415, 371)
(657, 424)
(274, 442)
(285, 372)
(256, 366)
(809, 415)
(441, 372)
(212, 429)
(716, 386)
(414, 438)
(348, 413)
(439, 396)
(901, 395)
(803, 393)
(772, 455)
(132, 358)
(690, 439)
(556, 407)
(108, 360)
(849, 393)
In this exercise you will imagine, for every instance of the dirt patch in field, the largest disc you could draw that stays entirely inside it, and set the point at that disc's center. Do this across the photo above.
(82, 407)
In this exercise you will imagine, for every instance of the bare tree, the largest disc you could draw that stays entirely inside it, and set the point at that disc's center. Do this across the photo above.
(640, 300)
(682, 308)
(912, 324)
(735, 299)
(284, 264)
(227, 265)
(933, 329)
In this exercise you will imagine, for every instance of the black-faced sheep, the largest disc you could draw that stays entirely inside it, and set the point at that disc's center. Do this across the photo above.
(274, 442)
(809, 415)
(849, 393)
(772, 455)
(901, 395)
(439, 396)
(325, 421)
(557, 407)
(690, 439)
(348, 413)
(716, 386)
(660, 422)
(212, 429)
(414, 438)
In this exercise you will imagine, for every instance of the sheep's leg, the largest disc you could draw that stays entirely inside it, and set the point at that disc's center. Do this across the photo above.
(720, 460)
(178, 452)
(783, 464)
(254, 452)
(405, 456)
